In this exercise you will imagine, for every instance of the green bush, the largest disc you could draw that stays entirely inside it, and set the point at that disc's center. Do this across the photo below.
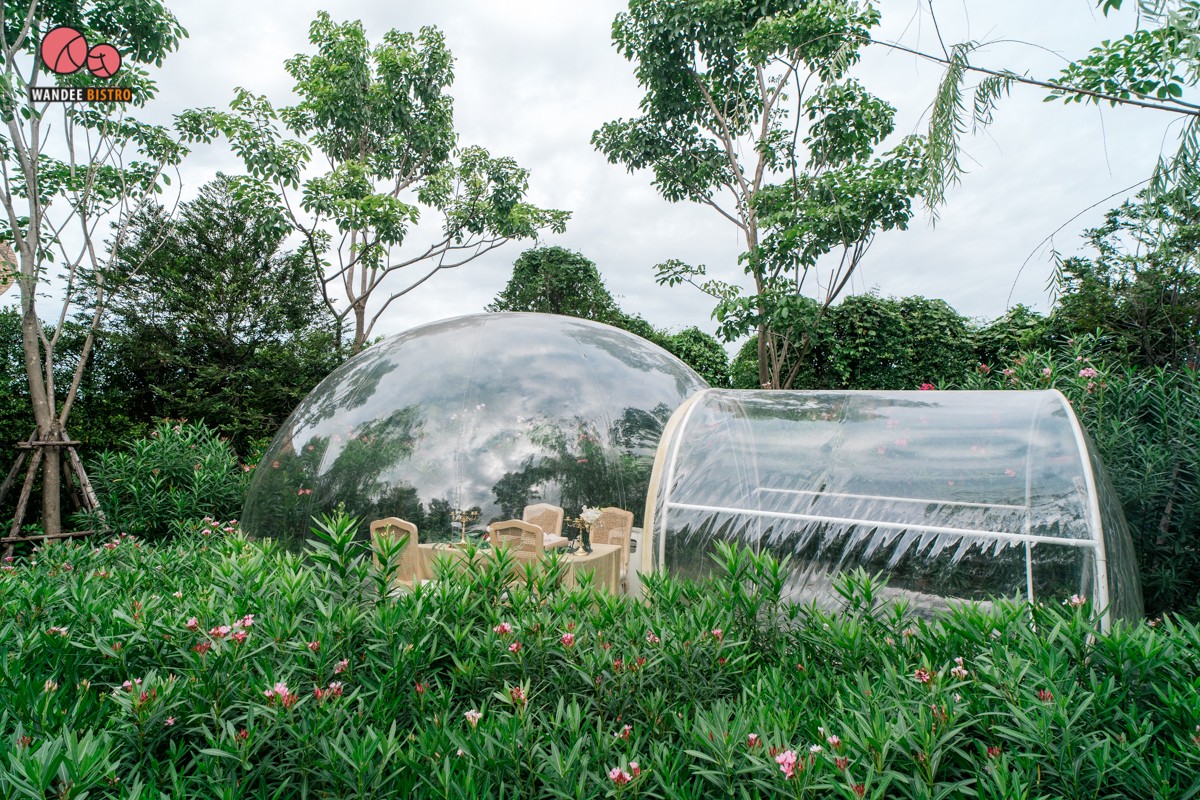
(216, 666)
(1145, 423)
(180, 472)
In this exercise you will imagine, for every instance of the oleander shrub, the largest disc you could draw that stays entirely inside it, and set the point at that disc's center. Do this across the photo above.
(215, 666)
(179, 472)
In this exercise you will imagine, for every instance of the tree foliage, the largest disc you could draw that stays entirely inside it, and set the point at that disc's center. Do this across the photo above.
(872, 342)
(214, 321)
(730, 87)
(554, 280)
(1142, 287)
(1152, 67)
(381, 121)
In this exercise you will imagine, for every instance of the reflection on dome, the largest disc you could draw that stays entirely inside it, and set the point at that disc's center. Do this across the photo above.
(488, 411)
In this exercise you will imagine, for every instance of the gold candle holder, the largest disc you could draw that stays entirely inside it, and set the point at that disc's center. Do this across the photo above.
(463, 518)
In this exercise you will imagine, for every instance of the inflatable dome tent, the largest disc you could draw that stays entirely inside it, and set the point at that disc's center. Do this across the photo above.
(967, 495)
(487, 412)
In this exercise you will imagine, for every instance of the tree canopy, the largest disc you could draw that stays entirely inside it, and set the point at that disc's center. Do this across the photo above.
(750, 109)
(379, 117)
(215, 321)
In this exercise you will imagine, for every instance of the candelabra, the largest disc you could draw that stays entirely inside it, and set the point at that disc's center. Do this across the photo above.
(585, 532)
(464, 518)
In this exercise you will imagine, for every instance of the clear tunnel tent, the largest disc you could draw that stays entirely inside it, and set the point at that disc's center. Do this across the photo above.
(484, 412)
(964, 495)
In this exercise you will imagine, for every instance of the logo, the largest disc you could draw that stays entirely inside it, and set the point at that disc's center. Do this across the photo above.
(65, 51)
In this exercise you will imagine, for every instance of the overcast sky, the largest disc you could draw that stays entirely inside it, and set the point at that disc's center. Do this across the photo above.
(534, 78)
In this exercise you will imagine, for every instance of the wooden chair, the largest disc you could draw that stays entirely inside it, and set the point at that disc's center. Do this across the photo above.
(615, 526)
(524, 540)
(408, 569)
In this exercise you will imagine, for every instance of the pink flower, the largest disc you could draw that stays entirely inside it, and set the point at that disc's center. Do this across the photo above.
(717, 634)
(169, 721)
(1088, 372)
(342, 666)
(923, 676)
(993, 751)
(624, 733)
(1076, 600)
(503, 629)
(127, 686)
(245, 622)
(859, 790)
(420, 688)
(635, 768)
(619, 776)
(517, 695)
(514, 648)
(568, 640)
(239, 636)
(202, 647)
(835, 741)
(281, 692)
(335, 689)
(787, 763)
(958, 671)
(57, 631)
(1047, 372)
(1045, 695)
(841, 762)
(927, 387)
(752, 740)
(473, 717)
(314, 646)
(652, 638)
(219, 632)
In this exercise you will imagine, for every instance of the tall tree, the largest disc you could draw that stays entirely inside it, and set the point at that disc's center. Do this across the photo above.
(730, 87)
(554, 280)
(381, 120)
(1142, 286)
(217, 322)
(73, 174)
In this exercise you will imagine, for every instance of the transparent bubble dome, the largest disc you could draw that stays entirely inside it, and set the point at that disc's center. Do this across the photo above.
(487, 412)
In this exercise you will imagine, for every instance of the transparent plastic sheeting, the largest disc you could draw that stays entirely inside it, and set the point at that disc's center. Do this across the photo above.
(486, 412)
(952, 495)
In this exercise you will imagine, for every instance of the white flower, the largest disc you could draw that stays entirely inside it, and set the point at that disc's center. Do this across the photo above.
(590, 516)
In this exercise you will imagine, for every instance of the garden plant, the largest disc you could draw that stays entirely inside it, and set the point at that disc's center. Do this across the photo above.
(213, 665)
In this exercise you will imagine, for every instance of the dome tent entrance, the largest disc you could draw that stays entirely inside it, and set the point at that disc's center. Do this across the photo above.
(971, 495)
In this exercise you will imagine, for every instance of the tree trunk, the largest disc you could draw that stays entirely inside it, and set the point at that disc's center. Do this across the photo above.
(51, 482)
(43, 408)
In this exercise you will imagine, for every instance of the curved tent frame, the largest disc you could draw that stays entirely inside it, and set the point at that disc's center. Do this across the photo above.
(954, 495)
